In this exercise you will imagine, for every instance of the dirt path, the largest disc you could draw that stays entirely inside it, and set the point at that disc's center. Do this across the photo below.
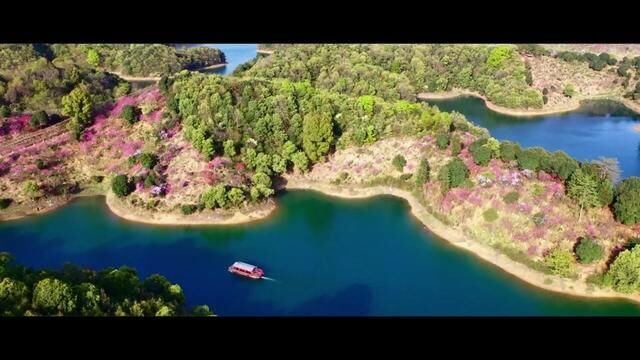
(9, 147)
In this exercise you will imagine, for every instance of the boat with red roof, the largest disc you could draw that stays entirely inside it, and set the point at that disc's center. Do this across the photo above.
(248, 270)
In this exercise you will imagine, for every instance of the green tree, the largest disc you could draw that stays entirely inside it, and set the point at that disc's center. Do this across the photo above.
(300, 161)
(317, 135)
(560, 262)
(624, 273)
(480, 152)
(422, 173)
(509, 150)
(214, 197)
(499, 55)
(77, 105)
(208, 149)
(288, 149)
(604, 186)
(202, 310)
(626, 204)
(279, 164)
(14, 297)
(399, 162)
(121, 186)
(235, 197)
(453, 174)
(90, 299)
(93, 58)
(229, 148)
(52, 296)
(261, 186)
(589, 251)
(120, 284)
(131, 114)
(582, 188)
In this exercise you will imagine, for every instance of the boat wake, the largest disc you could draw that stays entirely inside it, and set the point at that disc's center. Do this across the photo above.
(268, 278)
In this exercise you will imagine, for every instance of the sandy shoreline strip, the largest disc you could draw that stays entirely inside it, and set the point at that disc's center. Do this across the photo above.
(571, 106)
(126, 212)
(459, 239)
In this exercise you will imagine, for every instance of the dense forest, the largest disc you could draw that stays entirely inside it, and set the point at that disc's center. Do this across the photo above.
(395, 72)
(275, 126)
(137, 59)
(84, 292)
(30, 82)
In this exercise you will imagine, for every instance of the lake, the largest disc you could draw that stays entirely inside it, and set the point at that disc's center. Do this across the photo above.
(328, 256)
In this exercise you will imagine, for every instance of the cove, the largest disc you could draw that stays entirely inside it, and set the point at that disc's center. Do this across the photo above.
(598, 128)
(329, 257)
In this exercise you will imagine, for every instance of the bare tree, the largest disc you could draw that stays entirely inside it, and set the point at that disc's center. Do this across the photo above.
(610, 166)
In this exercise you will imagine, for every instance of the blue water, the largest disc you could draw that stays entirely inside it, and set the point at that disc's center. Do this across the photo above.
(328, 257)
(236, 54)
(599, 129)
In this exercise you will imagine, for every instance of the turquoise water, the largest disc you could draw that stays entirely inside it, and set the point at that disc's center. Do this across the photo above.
(596, 129)
(328, 257)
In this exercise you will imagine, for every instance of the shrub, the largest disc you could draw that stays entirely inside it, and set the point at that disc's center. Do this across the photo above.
(148, 160)
(188, 209)
(511, 197)
(569, 90)
(422, 174)
(626, 204)
(537, 189)
(624, 273)
(405, 177)
(442, 140)
(560, 262)
(490, 215)
(589, 251)
(456, 146)
(39, 119)
(97, 179)
(131, 114)
(4, 111)
(480, 152)
(40, 164)
(121, 186)
(150, 180)
(4, 203)
(453, 174)
(538, 218)
(509, 150)
(399, 162)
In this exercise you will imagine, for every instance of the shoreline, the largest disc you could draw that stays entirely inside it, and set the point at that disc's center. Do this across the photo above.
(459, 239)
(446, 233)
(123, 211)
(572, 106)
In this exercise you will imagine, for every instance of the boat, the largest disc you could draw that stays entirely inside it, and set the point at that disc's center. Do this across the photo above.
(248, 270)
